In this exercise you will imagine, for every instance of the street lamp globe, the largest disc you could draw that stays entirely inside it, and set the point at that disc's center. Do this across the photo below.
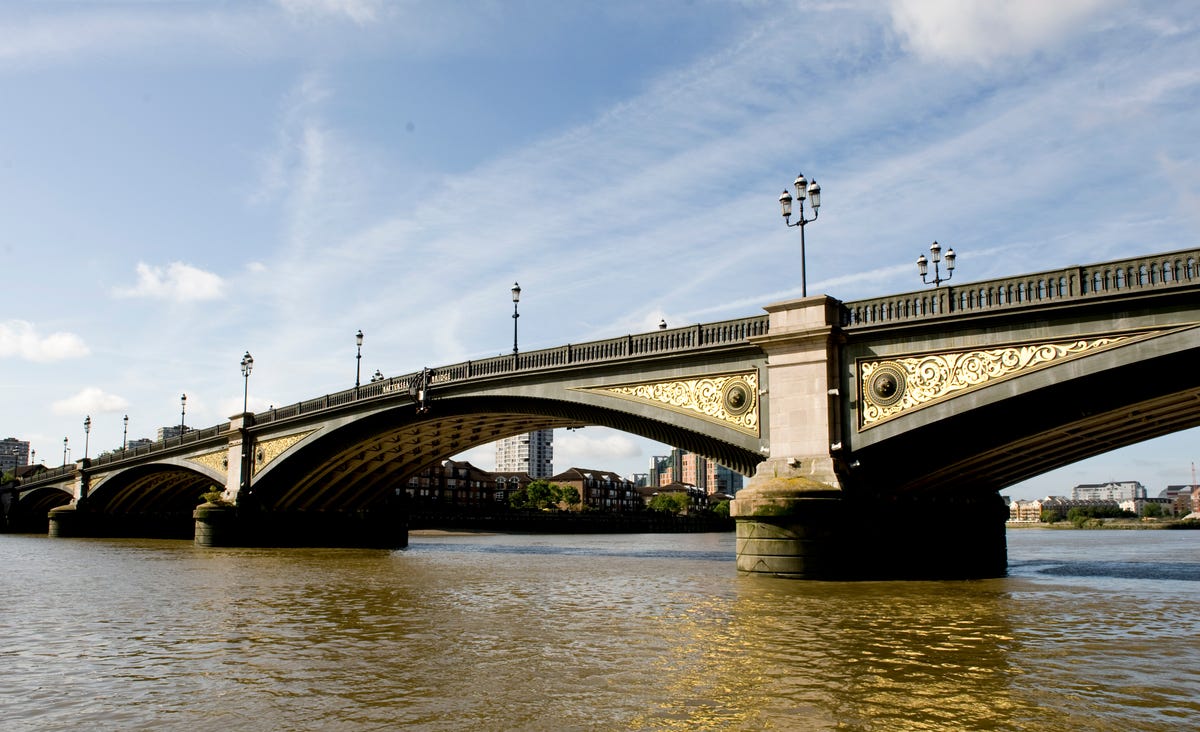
(935, 252)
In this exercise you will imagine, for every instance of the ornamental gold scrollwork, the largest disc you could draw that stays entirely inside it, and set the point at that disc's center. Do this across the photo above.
(731, 399)
(214, 461)
(891, 387)
(267, 450)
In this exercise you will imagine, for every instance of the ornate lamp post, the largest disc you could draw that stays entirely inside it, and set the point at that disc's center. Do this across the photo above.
(182, 412)
(813, 192)
(516, 295)
(247, 452)
(247, 365)
(935, 249)
(125, 433)
(358, 338)
(87, 430)
(65, 452)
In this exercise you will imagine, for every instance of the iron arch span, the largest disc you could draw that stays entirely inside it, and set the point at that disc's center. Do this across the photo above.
(994, 437)
(155, 500)
(363, 463)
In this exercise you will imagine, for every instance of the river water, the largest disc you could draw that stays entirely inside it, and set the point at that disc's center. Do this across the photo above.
(1092, 630)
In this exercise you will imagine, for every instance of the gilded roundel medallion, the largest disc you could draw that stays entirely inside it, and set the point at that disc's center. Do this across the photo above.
(736, 397)
(886, 385)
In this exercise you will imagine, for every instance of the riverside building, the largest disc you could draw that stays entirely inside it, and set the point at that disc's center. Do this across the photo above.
(531, 453)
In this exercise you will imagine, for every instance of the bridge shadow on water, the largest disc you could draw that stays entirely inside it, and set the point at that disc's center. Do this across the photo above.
(634, 552)
(1183, 571)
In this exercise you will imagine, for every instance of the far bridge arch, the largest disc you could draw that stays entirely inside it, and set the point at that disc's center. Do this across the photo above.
(365, 462)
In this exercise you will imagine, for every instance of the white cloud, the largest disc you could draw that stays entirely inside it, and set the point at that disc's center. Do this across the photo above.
(982, 31)
(20, 339)
(176, 281)
(597, 448)
(91, 400)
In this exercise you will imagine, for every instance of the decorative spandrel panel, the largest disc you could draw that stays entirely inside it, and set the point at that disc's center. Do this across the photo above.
(894, 386)
(216, 461)
(267, 450)
(728, 399)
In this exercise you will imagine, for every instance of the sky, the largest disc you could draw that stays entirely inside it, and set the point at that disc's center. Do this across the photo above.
(182, 182)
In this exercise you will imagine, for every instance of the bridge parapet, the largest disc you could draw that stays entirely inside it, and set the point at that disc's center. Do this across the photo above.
(1155, 272)
(705, 336)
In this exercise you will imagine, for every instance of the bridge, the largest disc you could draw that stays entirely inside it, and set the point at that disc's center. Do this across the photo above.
(879, 432)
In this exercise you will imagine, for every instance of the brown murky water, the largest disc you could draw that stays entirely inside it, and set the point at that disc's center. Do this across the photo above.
(1092, 630)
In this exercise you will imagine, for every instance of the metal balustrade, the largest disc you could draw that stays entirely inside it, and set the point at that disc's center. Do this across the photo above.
(1158, 271)
(694, 337)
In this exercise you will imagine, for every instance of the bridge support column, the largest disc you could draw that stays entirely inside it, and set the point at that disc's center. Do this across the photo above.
(790, 515)
(803, 516)
(71, 521)
(226, 526)
(839, 537)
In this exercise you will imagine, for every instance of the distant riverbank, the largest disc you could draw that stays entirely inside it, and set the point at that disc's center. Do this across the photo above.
(1121, 524)
(568, 522)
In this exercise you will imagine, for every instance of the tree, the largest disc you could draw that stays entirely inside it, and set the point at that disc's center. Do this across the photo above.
(541, 494)
(570, 495)
(1152, 510)
(721, 509)
(672, 503)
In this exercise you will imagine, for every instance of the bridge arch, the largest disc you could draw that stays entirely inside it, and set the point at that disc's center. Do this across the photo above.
(29, 514)
(1134, 387)
(366, 461)
(154, 499)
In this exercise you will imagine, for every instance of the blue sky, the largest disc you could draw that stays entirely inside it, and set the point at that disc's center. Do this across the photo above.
(184, 181)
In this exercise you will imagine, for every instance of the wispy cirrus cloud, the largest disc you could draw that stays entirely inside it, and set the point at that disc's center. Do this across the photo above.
(21, 339)
(35, 37)
(361, 12)
(176, 281)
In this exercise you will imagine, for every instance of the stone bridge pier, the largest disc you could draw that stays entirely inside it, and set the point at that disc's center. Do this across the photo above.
(804, 515)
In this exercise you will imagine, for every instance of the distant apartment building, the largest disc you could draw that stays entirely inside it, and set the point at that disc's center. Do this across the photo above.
(601, 489)
(167, 433)
(1128, 490)
(457, 483)
(1183, 499)
(697, 498)
(689, 468)
(1031, 511)
(14, 454)
(461, 485)
(531, 453)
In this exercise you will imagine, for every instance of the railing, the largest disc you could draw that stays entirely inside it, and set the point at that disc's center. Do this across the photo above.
(1159, 271)
(51, 475)
(661, 342)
